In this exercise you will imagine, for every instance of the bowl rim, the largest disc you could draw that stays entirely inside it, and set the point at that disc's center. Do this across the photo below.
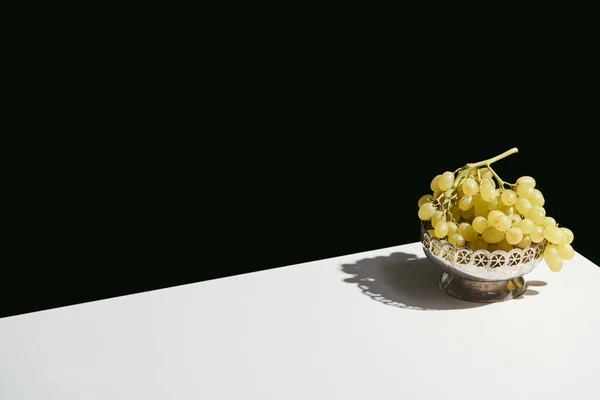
(533, 246)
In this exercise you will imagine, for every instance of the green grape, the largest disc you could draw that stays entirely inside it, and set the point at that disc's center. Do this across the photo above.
(488, 180)
(514, 236)
(431, 232)
(555, 235)
(537, 234)
(492, 235)
(525, 242)
(479, 202)
(508, 210)
(426, 211)
(537, 198)
(479, 224)
(523, 206)
(503, 223)
(441, 229)
(460, 192)
(487, 192)
(468, 215)
(494, 215)
(539, 208)
(549, 221)
(481, 213)
(455, 213)
(470, 187)
(501, 204)
(437, 194)
(425, 199)
(515, 219)
(446, 181)
(526, 181)
(495, 203)
(569, 234)
(526, 226)
(465, 203)
(456, 239)
(504, 245)
(509, 197)
(466, 231)
(524, 191)
(566, 251)
(537, 216)
(436, 218)
(478, 244)
(435, 184)
(552, 258)
(452, 227)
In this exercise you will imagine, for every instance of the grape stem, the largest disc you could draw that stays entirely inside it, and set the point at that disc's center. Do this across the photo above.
(501, 183)
(492, 160)
(485, 163)
(462, 172)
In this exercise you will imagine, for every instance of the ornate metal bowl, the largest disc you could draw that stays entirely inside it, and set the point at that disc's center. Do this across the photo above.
(480, 275)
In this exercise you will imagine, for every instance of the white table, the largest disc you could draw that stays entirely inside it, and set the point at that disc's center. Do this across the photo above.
(315, 331)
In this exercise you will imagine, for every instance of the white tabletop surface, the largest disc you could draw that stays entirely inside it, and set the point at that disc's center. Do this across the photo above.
(371, 325)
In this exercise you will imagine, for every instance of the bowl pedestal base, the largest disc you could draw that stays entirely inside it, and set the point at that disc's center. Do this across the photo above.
(482, 291)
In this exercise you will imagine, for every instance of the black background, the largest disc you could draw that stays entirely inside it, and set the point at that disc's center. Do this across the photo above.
(274, 169)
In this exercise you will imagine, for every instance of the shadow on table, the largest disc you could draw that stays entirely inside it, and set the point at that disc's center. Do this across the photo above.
(403, 280)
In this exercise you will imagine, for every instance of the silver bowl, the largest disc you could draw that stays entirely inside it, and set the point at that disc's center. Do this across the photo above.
(480, 275)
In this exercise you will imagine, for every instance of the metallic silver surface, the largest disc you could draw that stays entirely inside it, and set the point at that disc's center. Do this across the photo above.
(481, 265)
(480, 291)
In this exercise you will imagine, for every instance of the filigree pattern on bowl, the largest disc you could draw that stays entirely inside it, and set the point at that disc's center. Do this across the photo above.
(481, 265)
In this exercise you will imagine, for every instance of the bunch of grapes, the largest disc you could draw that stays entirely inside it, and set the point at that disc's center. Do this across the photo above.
(473, 207)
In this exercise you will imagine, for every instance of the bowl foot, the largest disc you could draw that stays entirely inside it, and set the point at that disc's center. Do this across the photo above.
(482, 292)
